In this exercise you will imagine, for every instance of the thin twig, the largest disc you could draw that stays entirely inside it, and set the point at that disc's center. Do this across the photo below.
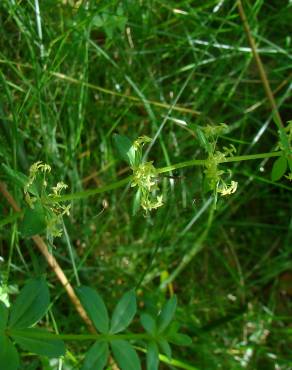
(41, 245)
(259, 64)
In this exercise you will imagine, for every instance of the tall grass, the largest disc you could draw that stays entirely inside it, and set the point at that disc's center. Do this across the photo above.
(74, 73)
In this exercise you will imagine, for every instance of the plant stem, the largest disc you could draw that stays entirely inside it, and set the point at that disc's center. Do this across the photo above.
(120, 183)
(78, 337)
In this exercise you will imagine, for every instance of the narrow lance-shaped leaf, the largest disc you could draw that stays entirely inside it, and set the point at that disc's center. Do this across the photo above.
(148, 323)
(19, 179)
(166, 314)
(31, 304)
(39, 341)
(9, 359)
(152, 356)
(125, 148)
(165, 347)
(124, 312)
(97, 356)
(95, 307)
(279, 168)
(3, 316)
(180, 339)
(125, 355)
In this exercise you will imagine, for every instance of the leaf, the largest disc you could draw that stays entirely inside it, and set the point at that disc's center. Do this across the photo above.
(152, 356)
(124, 312)
(95, 307)
(165, 347)
(9, 359)
(203, 140)
(279, 168)
(38, 341)
(31, 304)
(3, 316)
(180, 339)
(19, 179)
(34, 220)
(125, 355)
(96, 357)
(125, 148)
(148, 323)
(166, 314)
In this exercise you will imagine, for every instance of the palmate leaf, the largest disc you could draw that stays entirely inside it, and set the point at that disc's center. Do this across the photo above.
(38, 341)
(9, 359)
(97, 356)
(124, 312)
(31, 304)
(125, 355)
(95, 307)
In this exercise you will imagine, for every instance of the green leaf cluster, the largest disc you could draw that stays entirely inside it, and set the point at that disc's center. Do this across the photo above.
(16, 326)
(160, 331)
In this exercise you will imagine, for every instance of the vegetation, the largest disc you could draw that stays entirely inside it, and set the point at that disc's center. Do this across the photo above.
(145, 185)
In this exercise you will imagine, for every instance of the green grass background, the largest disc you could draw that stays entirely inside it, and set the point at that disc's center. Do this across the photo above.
(77, 72)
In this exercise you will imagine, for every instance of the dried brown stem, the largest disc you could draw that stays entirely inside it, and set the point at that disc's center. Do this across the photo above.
(52, 262)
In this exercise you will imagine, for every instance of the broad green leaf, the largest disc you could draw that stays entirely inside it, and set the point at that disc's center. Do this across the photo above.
(148, 323)
(9, 359)
(279, 168)
(34, 220)
(125, 148)
(165, 347)
(166, 314)
(124, 312)
(31, 304)
(125, 355)
(3, 316)
(95, 307)
(180, 339)
(38, 341)
(152, 356)
(97, 356)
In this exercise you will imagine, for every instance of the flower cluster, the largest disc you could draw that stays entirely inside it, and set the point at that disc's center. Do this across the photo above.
(145, 178)
(35, 191)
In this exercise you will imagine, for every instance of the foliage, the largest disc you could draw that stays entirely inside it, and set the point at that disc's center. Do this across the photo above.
(84, 86)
